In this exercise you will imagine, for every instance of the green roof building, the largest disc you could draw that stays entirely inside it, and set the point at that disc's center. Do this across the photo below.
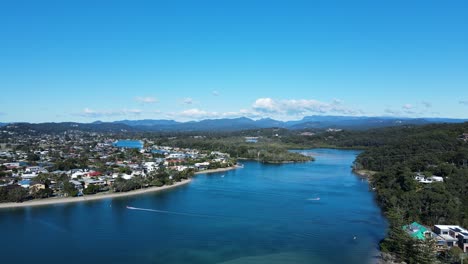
(418, 231)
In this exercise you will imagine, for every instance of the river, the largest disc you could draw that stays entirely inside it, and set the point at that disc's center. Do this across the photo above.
(314, 212)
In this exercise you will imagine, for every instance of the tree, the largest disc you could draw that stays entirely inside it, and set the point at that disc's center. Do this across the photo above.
(17, 194)
(91, 189)
(397, 239)
(42, 193)
(69, 189)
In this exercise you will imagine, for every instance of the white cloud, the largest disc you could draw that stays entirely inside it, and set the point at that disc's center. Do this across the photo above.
(87, 112)
(215, 93)
(188, 101)
(194, 112)
(463, 102)
(407, 106)
(146, 100)
(301, 107)
(266, 104)
(198, 114)
(268, 107)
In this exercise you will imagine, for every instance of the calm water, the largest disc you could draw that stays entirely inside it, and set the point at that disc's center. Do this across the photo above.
(258, 214)
(129, 144)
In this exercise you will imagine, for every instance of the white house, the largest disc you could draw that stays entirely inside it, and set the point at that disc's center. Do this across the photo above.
(202, 165)
(454, 235)
(423, 179)
(151, 166)
(176, 156)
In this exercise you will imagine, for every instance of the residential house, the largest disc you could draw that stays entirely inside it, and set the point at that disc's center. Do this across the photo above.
(444, 232)
(423, 179)
(99, 182)
(453, 235)
(36, 187)
(202, 165)
(418, 231)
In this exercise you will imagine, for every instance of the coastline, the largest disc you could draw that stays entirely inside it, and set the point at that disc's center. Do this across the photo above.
(100, 196)
(93, 197)
(364, 173)
(218, 170)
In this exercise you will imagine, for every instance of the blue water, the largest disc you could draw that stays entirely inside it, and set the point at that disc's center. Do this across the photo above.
(129, 144)
(257, 214)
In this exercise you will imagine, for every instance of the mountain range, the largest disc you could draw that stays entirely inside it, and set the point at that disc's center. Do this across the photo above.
(309, 122)
(242, 123)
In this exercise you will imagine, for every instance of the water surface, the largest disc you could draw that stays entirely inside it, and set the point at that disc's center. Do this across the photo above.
(258, 214)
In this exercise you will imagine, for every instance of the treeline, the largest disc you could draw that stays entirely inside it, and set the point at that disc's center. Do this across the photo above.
(266, 150)
(398, 154)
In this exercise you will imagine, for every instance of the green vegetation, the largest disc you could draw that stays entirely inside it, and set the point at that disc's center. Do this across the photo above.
(158, 179)
(431, 150)
(267, 150)
(397, 154)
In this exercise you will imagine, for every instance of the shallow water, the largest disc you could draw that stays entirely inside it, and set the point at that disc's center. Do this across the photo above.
(257, 214)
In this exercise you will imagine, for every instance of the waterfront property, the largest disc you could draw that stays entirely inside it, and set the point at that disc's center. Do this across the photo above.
(445, 236)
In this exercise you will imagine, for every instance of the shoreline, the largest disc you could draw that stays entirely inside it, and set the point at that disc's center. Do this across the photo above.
(100, 196)
(218, 170)
(364, 173)
(93, 197)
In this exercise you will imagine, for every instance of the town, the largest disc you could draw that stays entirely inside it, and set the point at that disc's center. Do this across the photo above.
(77, 163)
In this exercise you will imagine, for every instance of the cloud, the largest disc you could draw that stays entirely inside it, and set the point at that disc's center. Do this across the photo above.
(392, 112)
(215, 93)
(463, 102)
(268, 107)
(188, 101)
(146, 100)
(197, 114)
(427, 104)
(407, 106)
(301, 107)
(87, 112)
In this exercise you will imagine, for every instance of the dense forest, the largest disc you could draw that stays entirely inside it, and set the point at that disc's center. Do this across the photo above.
(266, 150)
(397, 155)
(434, 150)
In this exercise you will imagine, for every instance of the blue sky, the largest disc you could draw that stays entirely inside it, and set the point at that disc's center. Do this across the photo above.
(82, 60)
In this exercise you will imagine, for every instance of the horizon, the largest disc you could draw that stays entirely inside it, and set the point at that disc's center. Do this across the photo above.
(240, 117)
(85, 61)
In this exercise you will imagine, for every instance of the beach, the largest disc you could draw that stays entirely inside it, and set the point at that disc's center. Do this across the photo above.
(93, 197)
(218, 170)
(99, 196)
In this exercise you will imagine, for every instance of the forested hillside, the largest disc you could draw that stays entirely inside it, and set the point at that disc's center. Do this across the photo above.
(435, 150)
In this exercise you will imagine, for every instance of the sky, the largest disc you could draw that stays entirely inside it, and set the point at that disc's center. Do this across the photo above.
(88, 60)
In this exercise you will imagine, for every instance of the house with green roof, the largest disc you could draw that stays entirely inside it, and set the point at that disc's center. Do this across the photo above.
(418, 231)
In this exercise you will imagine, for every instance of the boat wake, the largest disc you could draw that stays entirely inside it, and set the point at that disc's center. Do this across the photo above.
(171, 212)
(314, 199)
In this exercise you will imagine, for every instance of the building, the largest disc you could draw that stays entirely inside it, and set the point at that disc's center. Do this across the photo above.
(418, 231)
(251, 139)
(423, 179)
(453, 235)
(202, 165)
(36, 187)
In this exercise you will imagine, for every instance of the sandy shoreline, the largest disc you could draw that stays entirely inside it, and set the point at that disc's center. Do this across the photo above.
(218, 170)
(93, 197)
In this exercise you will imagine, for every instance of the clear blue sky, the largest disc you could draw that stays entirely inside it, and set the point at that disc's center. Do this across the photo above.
(80, 60)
